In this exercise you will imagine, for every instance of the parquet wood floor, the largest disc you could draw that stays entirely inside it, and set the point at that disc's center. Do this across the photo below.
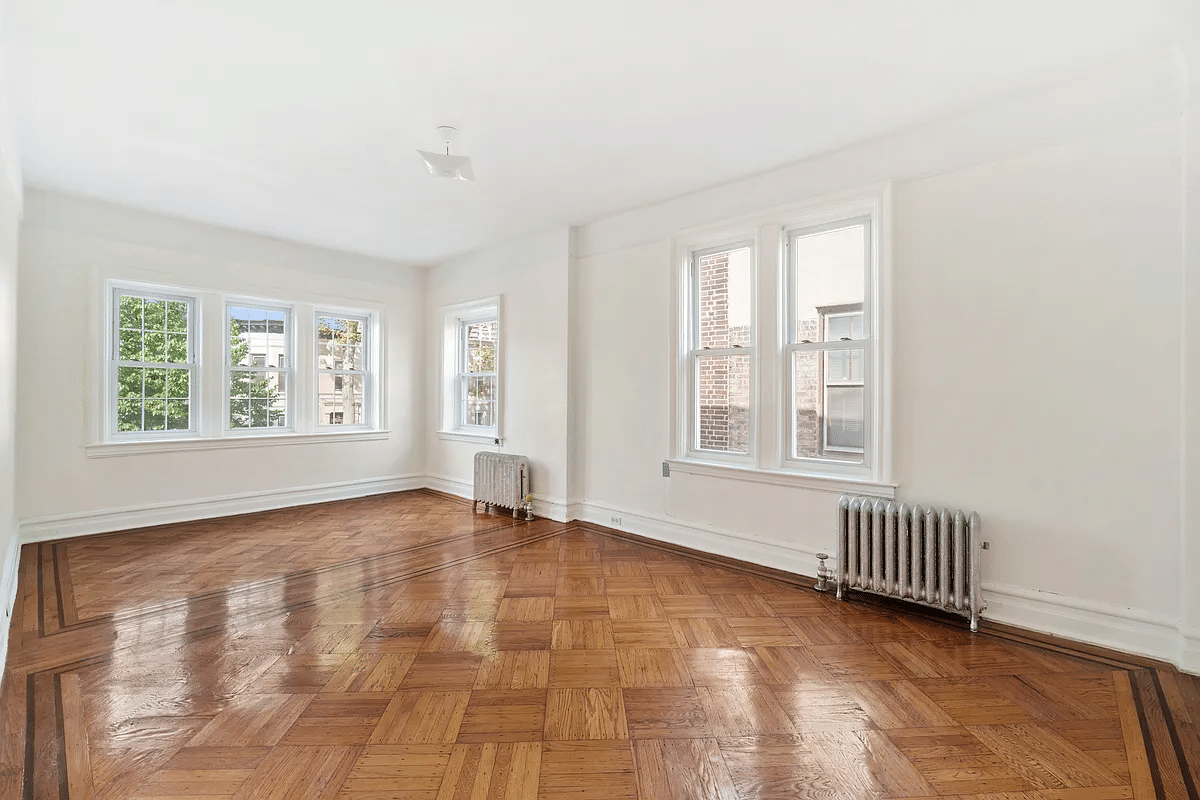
(402, 647)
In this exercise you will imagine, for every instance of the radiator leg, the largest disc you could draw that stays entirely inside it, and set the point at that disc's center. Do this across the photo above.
(974, 622)
(474, 506)
(514, 512)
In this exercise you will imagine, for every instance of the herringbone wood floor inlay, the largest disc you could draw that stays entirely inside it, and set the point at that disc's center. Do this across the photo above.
(403, 647)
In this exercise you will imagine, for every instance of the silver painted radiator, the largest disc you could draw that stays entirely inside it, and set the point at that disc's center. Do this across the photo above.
(501, 480)
(926, 555)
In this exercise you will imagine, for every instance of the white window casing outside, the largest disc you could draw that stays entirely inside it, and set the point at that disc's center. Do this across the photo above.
(471, 380)
(270, 396)
(796, 303)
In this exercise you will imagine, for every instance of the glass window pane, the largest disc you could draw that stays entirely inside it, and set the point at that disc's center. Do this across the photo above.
(177, 348)
(177, 316)
(239, 413)
(178, 383)
(156, 382)
(129, 415)
(155, 315)
(723, 295)
(827, 278)
(178, 415)
(827, 416)
(154, 347)
(723, 403)
(239, 383)
(156, 415)
(844, 417)
(131, 345)
(342, 406)
(130, 311)
(129, 382)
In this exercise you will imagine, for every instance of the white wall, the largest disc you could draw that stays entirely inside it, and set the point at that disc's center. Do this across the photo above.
(69, 245)
(532, 278)
(1037, 370)
(10, 216)
(1190, 398)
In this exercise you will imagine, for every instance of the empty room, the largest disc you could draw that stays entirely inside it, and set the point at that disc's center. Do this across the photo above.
(662, 400)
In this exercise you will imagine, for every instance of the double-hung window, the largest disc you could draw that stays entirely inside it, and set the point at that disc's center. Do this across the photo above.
(259, 345)
(780, 343)
(721, 352)
(478, 378)
(182, 364)
(153, 363)
(342, 374)
(471, 370)
(829, 344)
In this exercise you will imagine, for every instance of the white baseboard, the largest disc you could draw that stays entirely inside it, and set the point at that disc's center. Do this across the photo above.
(449, 485)
(1115, 627)
(86, 523)
(786, 556)
(543, 507)
(8, 590)
(1189, 656)
(1123, 629)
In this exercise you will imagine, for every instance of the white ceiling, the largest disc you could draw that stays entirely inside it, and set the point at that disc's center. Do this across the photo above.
(300, 119)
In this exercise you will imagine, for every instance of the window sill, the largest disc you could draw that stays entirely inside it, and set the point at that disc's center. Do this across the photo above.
(475, 438)
(795, 480)
(146, 446)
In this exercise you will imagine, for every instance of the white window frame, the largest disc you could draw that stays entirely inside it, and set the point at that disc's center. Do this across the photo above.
(455, 319)
(208, 343)
(369, 370)
(288, 371)
(113, 360)
(771, 383)
(825, 385)
(696, 352)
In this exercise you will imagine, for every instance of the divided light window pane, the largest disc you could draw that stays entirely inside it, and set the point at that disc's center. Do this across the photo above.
(479, 378)
(341, 376)
(258, 341)
(153, 358)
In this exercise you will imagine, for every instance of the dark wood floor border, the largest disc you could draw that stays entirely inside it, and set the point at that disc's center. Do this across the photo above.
(44, 715)
(62, 578)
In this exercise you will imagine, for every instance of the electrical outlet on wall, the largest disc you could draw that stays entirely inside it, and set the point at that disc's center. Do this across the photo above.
(615, 522)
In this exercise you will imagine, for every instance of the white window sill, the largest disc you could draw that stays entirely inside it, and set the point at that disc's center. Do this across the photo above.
(145, 446)
(795, 480)
(462, 436)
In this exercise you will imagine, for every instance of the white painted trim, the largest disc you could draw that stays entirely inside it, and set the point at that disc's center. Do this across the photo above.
(8, 593)
(784, 478)
(554, 508)
(1119, 628)
(231, 440)
(473, 438)
(1189, 655)
(449, 485)
(786, 556)
(86, 523)
(1124, 629)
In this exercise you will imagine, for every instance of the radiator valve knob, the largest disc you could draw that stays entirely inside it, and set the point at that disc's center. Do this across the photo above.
(824, 574)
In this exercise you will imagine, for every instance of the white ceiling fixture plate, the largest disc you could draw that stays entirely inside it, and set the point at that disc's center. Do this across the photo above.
(444, 165)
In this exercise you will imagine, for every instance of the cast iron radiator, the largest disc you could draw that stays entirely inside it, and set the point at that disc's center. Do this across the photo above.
(926, 555)
(501, 480)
